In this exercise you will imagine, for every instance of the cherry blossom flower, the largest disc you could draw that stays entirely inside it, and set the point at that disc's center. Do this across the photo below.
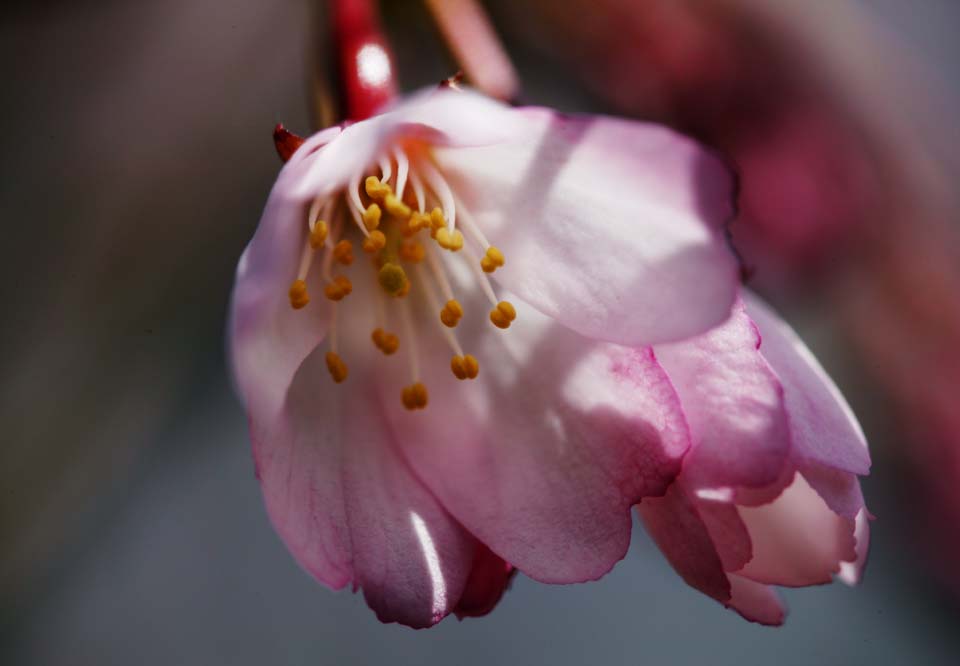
(441, 333)
(769, 493)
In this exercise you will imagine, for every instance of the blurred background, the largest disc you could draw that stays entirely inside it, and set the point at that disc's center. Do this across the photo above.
(136, 158)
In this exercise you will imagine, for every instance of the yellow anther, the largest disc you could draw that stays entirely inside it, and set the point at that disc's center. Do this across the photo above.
(371, 217)
(392, 278)
(343, 252)
(416, 222)
(374, 242)
(318, 235)
(449, 241)
(298, 294)
(503, 314)
(404, 290)
(376, 189)
(492, 261)
(384, 341)
(339, 288)
(412, 251)
(465, 367)
(414, 396)
(396, 207)
(336, 366)
(451, 313)
(437, 220)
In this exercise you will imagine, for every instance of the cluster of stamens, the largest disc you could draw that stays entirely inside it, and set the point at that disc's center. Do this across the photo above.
(394, 211)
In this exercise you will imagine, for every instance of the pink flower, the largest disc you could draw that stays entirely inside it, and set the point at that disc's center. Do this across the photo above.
(769, 493)
(418, 475)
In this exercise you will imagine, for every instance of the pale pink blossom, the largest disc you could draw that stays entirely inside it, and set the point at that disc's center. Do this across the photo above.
(423, 479)
(769, 492)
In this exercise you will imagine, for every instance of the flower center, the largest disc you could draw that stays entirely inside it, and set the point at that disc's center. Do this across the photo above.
(410, 223)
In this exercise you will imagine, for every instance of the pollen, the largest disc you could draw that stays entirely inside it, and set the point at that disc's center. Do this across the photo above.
(384, 341)
(437, 221)
(492, 260)
(448, 240)
(412, 251)
(374, 242)
(416, 222)
(451, 313)
(339, 288)
(414, 396)
(343, 252)
(298, 294)
(503, 314)
(465, 367)
(318, 236)
(376, 189)
(393, 279)
(371, 217)
(396, 207)
(336, 366)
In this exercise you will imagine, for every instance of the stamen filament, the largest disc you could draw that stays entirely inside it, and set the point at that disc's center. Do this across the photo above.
(470, 226)
(356, 206)
(481, 276)
(434, 305)
(403, 168)
(418, 192)
(386, 170)
(442, 190)
(439, 273)
(411, 343)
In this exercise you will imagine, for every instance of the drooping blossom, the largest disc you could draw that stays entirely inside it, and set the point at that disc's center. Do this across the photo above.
(416, 425)
(769, 493)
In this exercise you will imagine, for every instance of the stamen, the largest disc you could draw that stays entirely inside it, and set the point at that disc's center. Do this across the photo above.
(417, 185)
(396, 207)
(298, 294)
(339, 288)
(503, 315)
(492, 260)
(374, 242)
(385, 341)
(336, 366)
(318, 235)
(481, 276)
(437, 268)
(414, 396)
(411, 343)
(440, 187)
(435, 306)
(376, 189)
(393, 279)
(412, 251)
(470, 226)
(356, 206)
(451, 313)
(371, 217)
(448, 240)
(465, 367)
(386, 170)
(403, 168)
(343, 252)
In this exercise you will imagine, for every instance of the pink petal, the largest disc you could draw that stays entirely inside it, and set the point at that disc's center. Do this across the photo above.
(733, 402)
(438, 117)
(823, 427)
(349, 508)
(542, 456)
(612, 227)
(852, 572)
(756, 602)
(728, 533)
(489, 578)
(268, 339)
(797, 540)
(678, 529)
